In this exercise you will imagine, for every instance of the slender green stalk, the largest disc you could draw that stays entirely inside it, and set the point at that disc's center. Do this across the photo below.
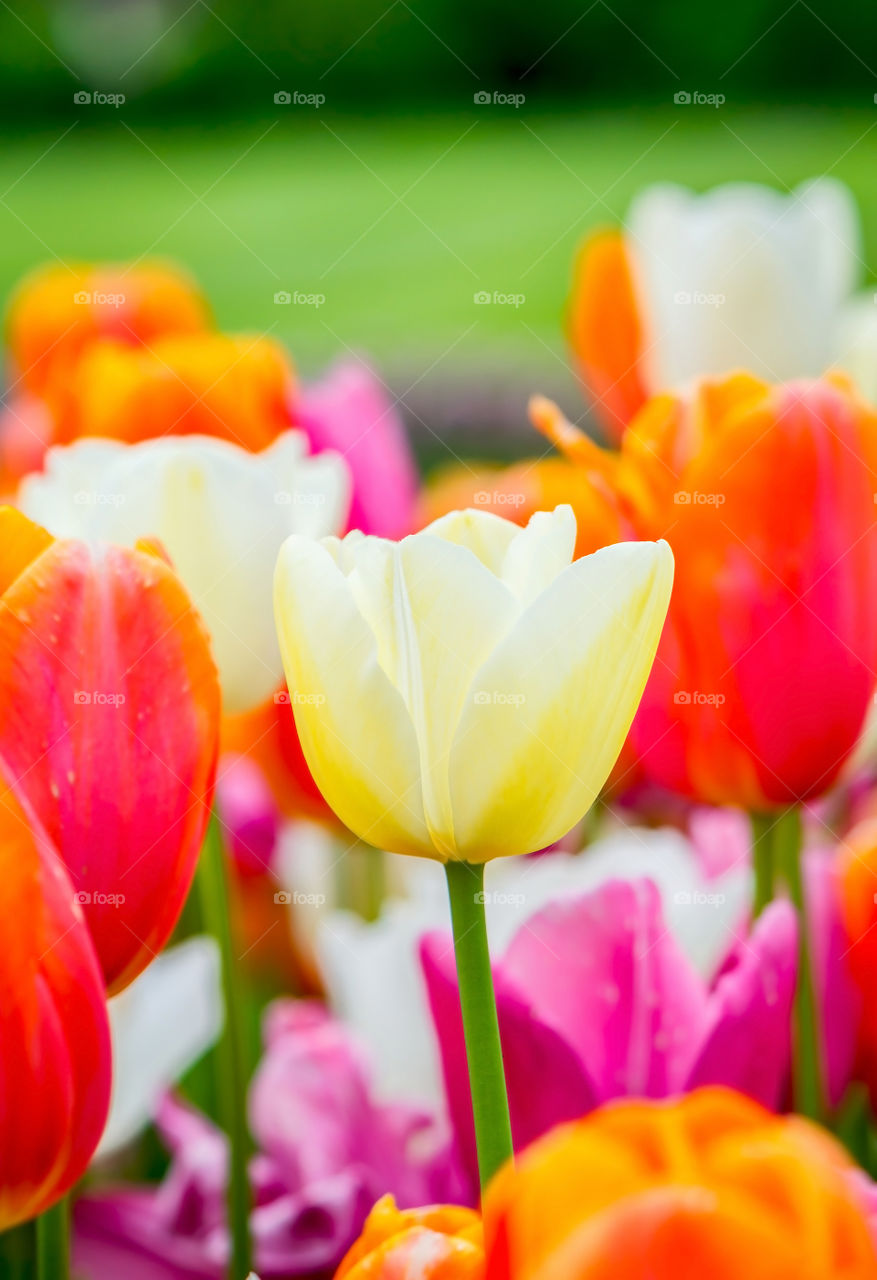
(53, 1242)
(490, 1106)
(807, 1072)
(229, 1057)
(764, 860)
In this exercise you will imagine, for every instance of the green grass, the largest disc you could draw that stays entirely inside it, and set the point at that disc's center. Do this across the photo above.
(496, 200)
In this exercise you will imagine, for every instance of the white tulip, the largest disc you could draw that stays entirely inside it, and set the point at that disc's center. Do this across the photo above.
(161, 1025)
(744, 277)
(221, 513)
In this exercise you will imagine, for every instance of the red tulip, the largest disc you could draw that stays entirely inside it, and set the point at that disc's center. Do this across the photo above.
(109, 722)
(54, 1032)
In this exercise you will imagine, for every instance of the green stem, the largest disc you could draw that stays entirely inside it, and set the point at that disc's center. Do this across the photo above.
(764, 861)
(229, 1057)
(490, 1107)
(807, 1071)
(53, 1242)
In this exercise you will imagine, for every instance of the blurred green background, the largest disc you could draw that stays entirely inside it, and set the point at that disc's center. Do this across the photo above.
(400, 196)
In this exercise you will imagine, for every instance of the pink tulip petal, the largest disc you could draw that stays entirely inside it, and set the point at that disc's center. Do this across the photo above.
(747, 1044)
(605, 972)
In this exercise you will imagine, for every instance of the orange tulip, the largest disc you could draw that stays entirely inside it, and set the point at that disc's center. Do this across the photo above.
(58, 311)
(442, 1242)
(55, 315)
(766, 496)
(54, 1030)
(109, 724)
(709, 1185)
(212, 384)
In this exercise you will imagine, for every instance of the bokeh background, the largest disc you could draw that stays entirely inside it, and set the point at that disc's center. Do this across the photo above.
(383, 186)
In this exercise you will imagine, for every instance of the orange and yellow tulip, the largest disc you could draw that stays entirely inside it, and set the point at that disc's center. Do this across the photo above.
(109, 724)
(709, 1185)
(441, 1242)
(54, 1030)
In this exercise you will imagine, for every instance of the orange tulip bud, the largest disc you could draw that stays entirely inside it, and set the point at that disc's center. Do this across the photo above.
(708, 1185)
(442, 1242)
(60, 310)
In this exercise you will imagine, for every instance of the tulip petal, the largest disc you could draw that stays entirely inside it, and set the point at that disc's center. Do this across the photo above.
(54, 1033)
(114, 738)
(355, 731)
(551, 706)
(607, 974)
(747, 1043)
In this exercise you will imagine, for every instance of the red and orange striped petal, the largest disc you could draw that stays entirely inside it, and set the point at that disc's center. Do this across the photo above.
(109, 722)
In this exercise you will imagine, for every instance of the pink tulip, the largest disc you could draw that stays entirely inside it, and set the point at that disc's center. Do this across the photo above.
(351, 411)
(597, 1001)
(327, 1151)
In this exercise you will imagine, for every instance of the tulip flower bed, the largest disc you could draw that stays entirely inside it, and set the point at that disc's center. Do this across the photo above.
(529, 811)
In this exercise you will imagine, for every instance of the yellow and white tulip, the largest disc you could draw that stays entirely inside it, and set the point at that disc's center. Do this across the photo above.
(463, 694)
